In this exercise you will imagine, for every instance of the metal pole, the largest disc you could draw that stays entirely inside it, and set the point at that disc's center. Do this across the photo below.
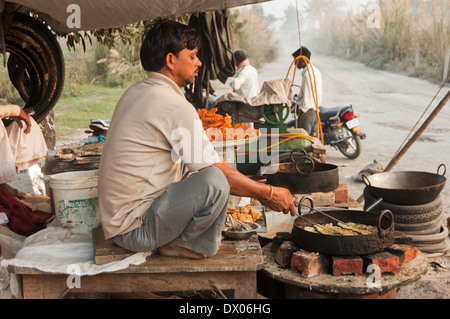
(416, 135)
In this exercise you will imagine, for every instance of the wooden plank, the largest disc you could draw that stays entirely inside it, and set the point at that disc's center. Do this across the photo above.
(233, 268)
(243, 255)
(53, 286)
(106, 251)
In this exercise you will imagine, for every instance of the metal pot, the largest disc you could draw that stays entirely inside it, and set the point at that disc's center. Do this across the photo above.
(303, 175)
(344, 245)
(406, 188)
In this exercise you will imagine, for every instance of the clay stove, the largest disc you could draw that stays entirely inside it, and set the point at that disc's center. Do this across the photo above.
(291, 273)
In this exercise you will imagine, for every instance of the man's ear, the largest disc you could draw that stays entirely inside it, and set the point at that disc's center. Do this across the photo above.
(170, 60)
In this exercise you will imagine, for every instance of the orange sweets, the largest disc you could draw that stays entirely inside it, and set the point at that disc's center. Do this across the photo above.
(220, 128)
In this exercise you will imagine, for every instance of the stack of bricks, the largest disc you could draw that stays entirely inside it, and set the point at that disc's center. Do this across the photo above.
(309, 264)
(341, 194)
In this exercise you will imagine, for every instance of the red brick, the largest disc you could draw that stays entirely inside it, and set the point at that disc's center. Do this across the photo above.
(341, 194)
(280, 238)
(352, 265)
(284, 253)
(309, 264)
(402, 238)
(387, 262)
(404, 253)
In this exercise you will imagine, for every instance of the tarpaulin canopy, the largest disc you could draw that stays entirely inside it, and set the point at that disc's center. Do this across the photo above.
(97, 14)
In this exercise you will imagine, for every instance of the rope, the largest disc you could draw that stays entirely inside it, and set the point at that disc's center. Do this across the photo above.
(289, 137)
(423, 114)
(313, 87)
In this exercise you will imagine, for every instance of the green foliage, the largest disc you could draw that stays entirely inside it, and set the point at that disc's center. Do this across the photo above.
(73, 113)
(111, 56)
(407, 27)
(8, 94)
(127, 35)
(254, 35)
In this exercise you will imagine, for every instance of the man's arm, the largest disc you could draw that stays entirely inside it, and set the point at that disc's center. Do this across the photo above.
(18, 114)
(240, 185)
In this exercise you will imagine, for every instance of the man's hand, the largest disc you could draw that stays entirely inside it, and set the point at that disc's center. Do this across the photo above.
(23, 117)
(282, 201)
(240, 185)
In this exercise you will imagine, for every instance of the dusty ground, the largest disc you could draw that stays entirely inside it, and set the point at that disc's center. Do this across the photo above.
(389, 106)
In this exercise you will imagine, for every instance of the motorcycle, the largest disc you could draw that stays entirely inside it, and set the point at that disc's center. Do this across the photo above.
(340, 129)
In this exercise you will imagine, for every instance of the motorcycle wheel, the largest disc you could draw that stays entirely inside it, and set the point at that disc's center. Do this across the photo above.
(351, 146)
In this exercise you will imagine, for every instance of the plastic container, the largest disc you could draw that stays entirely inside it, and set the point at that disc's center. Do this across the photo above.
(74, 200)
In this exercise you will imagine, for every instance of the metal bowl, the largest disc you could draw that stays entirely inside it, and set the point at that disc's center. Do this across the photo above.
(241, 235)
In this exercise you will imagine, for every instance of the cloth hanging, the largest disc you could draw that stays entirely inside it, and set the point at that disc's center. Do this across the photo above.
(7, 162)
(28, 149)
(249, 110)
(216, 54)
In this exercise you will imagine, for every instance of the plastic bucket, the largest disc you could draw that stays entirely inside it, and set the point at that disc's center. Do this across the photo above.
(74, 200)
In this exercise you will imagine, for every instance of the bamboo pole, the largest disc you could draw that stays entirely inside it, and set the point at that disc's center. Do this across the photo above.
(446, 64)
(414, 138)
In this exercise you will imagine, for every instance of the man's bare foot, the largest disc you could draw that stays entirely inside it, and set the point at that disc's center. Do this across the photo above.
(177, 251)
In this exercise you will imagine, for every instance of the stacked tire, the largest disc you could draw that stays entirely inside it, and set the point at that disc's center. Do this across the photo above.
(35, 64)
(423, 223)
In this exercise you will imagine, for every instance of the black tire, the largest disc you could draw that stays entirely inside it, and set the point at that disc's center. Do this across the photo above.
(419, 229)
(407, 214)
(433, 248)
(351, 147)
(428, 239)
(36, 64)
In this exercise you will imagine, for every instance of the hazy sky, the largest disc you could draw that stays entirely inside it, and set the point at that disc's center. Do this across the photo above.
(277, 7)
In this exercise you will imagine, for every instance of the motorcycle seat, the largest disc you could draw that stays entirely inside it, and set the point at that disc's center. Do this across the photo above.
(326, 114)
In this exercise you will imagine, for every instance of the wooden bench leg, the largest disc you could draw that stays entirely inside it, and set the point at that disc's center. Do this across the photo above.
(245, 286)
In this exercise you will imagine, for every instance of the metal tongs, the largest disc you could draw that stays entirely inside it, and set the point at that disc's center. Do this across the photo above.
(311, 209)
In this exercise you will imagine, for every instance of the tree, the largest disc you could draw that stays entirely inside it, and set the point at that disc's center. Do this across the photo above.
(253, 34)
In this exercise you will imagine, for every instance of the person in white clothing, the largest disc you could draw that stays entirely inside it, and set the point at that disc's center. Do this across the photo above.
(307, 115)
(245, 83)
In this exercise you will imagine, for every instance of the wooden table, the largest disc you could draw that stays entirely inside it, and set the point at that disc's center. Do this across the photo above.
(232, 270)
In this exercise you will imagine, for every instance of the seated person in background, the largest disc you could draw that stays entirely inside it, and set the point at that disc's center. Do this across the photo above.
(20, 147)
(245, 83)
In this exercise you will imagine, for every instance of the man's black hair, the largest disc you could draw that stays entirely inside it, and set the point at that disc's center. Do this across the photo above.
(302, 51)
(239, 56)
(164, 37)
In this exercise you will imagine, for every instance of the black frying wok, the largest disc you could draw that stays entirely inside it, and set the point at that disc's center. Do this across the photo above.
(406, 188)
(302, 175)
(336, 245)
